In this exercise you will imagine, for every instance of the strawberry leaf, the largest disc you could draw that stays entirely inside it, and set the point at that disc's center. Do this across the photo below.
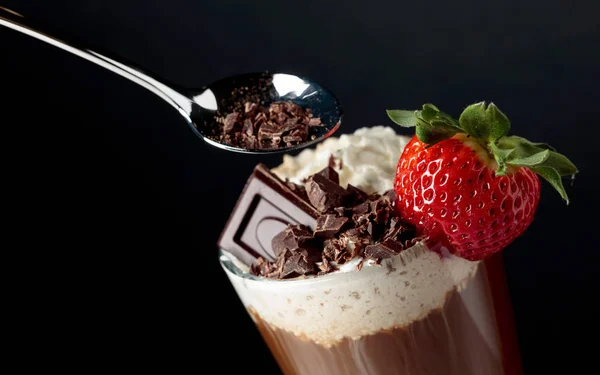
(407, 119)
(553, 177)
(535, 159)
(524, 149)
(487, 123)
(500, 155)
(430, 134)
(539, 157)
(429, 112)
(563, 166)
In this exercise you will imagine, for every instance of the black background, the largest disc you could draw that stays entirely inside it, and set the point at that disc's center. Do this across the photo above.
(108, 170)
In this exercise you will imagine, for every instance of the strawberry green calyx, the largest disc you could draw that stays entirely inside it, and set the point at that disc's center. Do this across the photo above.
(489, 127)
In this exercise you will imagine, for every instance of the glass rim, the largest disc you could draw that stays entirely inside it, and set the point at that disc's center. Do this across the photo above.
(232, 269)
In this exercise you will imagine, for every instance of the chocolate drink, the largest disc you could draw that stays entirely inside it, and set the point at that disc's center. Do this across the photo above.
(432, 345)
(456, 319)
(338, 284)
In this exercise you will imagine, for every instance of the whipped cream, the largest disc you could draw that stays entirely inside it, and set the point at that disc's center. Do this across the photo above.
(329, 308)
(369, 159)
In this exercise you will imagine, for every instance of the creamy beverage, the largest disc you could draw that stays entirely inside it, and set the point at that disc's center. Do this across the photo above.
(376, 253)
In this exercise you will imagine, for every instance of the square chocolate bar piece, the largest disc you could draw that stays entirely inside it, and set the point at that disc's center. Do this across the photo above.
(265, 208)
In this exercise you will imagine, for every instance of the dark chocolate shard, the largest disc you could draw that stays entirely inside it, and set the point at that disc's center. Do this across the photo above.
(260, 119)
(249, 107)
(332, 248)
(291, 139)
(248, 128)
(230, 121)
(292, 124)
(374, 196)
(382, 214)
(325, 266)
(296, 265)
(292, 238)
(359, 266)
(362, 208)
(324, 194)
(358, 196)
(276, 107)
(315, 122)
(329, 225)
(330, 174)
(390, 196)
(294, 109)
(379, 251)
(268, 130)
(331, 162)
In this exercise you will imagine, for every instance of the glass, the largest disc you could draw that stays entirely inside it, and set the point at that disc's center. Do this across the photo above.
(416, 313)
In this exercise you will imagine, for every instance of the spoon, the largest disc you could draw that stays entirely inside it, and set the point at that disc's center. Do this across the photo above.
(201, 107)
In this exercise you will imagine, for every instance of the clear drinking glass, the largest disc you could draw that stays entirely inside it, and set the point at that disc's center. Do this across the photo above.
(416, 313)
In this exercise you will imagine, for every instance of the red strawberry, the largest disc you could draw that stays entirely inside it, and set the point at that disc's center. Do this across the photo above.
(467, 185)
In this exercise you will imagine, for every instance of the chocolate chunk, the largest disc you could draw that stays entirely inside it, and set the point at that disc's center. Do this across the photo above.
(260, 119)
(248, 127)
(362, 208)
(292, 238)
(330, 174)
(292, 139)
(358, 196)
(393, 245)
(276, 107)
(230, 122)
(249, 107)
(331, 161)
(354, 243)
(296, 265)
(390, 196)
(329, 225)
(325, 266)
(291, 125)
(379, 251)
(332, 249)
(268, 130)
(324, 194)
(315, 122)
(251, 142)
(382, 215)
(374, 196)
(294, 109)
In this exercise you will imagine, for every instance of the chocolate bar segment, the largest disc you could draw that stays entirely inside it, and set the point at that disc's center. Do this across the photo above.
(265, 208)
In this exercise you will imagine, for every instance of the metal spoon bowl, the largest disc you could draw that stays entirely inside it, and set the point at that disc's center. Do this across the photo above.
(199, 107)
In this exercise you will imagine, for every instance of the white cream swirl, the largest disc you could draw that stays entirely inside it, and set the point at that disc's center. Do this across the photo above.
(369, 159)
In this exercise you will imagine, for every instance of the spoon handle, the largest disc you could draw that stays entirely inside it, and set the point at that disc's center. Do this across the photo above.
(181, 102)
